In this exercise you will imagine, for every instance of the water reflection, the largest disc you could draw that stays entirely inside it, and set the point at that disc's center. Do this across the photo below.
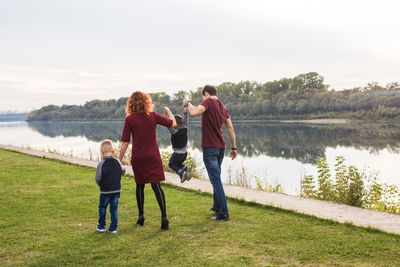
(308, 142)
(95, 131)
(305, 143)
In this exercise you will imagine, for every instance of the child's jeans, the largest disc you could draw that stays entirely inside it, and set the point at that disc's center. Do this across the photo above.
(111, 199)
(176, 163)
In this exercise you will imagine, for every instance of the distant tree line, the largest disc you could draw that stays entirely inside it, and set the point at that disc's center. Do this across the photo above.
(305, 96)
(5, 117)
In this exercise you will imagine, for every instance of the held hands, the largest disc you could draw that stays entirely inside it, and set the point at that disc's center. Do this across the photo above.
(185, 102)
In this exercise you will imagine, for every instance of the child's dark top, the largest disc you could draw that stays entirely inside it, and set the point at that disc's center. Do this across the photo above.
(179, 136)
(108, 175)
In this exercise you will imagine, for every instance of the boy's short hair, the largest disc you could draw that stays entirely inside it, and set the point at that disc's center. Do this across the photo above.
(210, 89)
(178, 119)
(106, 146)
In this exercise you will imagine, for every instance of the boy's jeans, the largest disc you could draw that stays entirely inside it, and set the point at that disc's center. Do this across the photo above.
(111, 199)
(176, 162)
(212, 158)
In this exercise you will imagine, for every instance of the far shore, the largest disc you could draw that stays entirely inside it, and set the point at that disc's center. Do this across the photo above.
(310, 121)
(325, 121)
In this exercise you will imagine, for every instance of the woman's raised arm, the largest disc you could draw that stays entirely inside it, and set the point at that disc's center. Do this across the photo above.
(170, 116)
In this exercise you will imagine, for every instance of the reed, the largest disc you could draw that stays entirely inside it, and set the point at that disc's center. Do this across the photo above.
(348, 185)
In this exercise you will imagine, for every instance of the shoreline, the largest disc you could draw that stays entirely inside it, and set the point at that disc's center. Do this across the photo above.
(307, 121)
(323, 209)
(323, 121)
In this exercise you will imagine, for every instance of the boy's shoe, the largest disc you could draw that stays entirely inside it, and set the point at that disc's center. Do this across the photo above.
(111, 231)
(100, 229)
(184, 176)
(188, 173)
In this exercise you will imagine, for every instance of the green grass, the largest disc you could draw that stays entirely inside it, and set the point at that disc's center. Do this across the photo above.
(49, 213)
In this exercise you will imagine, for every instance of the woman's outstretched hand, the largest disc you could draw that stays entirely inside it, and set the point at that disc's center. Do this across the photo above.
(166, 112)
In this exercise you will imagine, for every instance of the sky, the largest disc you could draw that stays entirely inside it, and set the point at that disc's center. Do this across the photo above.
(71, 51)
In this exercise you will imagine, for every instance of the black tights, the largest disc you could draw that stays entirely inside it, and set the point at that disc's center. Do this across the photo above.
(159, 195)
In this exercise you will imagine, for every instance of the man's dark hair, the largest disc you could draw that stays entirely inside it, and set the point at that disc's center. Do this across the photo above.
(209, 89)
(178, 119)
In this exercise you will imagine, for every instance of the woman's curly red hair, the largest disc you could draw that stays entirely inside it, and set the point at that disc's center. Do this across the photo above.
(139, 103)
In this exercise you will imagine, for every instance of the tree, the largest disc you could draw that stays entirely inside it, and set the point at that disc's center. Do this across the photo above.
(309, 82)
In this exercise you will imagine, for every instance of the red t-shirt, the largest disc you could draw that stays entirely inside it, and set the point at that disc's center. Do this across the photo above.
(211, 123)
(146, 160)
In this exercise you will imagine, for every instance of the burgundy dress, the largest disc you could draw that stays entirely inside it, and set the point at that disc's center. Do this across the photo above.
(146, 159)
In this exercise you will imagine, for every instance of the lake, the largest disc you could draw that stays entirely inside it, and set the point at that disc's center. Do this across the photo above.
(274, 152)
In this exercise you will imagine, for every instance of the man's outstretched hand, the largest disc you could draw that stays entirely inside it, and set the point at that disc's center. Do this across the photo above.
(185, 102)
(233, 154)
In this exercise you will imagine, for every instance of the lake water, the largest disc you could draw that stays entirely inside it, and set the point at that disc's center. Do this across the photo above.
(275, 153)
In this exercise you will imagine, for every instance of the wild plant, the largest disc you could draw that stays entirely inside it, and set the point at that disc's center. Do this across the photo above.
(351, 187)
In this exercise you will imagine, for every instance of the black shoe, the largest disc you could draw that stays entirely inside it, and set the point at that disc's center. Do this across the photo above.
(184, 176)
(221, 217)
(188, 173)
(140, 221)
(164, 223)
(214, 209)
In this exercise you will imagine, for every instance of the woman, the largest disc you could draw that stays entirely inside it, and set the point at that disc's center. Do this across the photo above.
(141, 123)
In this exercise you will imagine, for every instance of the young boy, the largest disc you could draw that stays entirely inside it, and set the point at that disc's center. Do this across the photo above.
(179, 145)
(108, 177)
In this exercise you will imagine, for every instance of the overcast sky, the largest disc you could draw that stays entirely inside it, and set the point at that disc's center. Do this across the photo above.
(68, 52)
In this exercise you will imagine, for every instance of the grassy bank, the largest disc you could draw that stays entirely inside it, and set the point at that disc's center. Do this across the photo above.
(49, 213)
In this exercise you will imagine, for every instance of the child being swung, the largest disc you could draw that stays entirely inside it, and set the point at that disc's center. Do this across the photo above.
(179, 145)
(108, 178)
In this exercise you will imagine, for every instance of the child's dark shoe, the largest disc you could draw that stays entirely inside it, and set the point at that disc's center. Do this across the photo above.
(188, 173)
(164, 223)
(184, 176)
(140, 221)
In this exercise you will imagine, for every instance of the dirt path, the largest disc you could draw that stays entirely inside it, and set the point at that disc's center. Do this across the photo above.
(323, 209)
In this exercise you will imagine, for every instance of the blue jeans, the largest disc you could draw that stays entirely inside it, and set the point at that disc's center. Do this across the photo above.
(176, 162)
(212, 158)
(111, 199)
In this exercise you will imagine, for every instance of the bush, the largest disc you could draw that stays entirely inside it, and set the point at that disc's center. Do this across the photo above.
(351, 187)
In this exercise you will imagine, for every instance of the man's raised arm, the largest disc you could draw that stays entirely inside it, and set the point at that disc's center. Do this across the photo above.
(194, 110)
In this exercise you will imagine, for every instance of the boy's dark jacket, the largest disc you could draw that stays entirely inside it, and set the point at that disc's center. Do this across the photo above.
(108, 175)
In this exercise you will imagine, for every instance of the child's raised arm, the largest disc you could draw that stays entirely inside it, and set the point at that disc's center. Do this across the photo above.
(185, 119)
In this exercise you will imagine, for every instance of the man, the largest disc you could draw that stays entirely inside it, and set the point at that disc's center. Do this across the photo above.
(214, 114)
